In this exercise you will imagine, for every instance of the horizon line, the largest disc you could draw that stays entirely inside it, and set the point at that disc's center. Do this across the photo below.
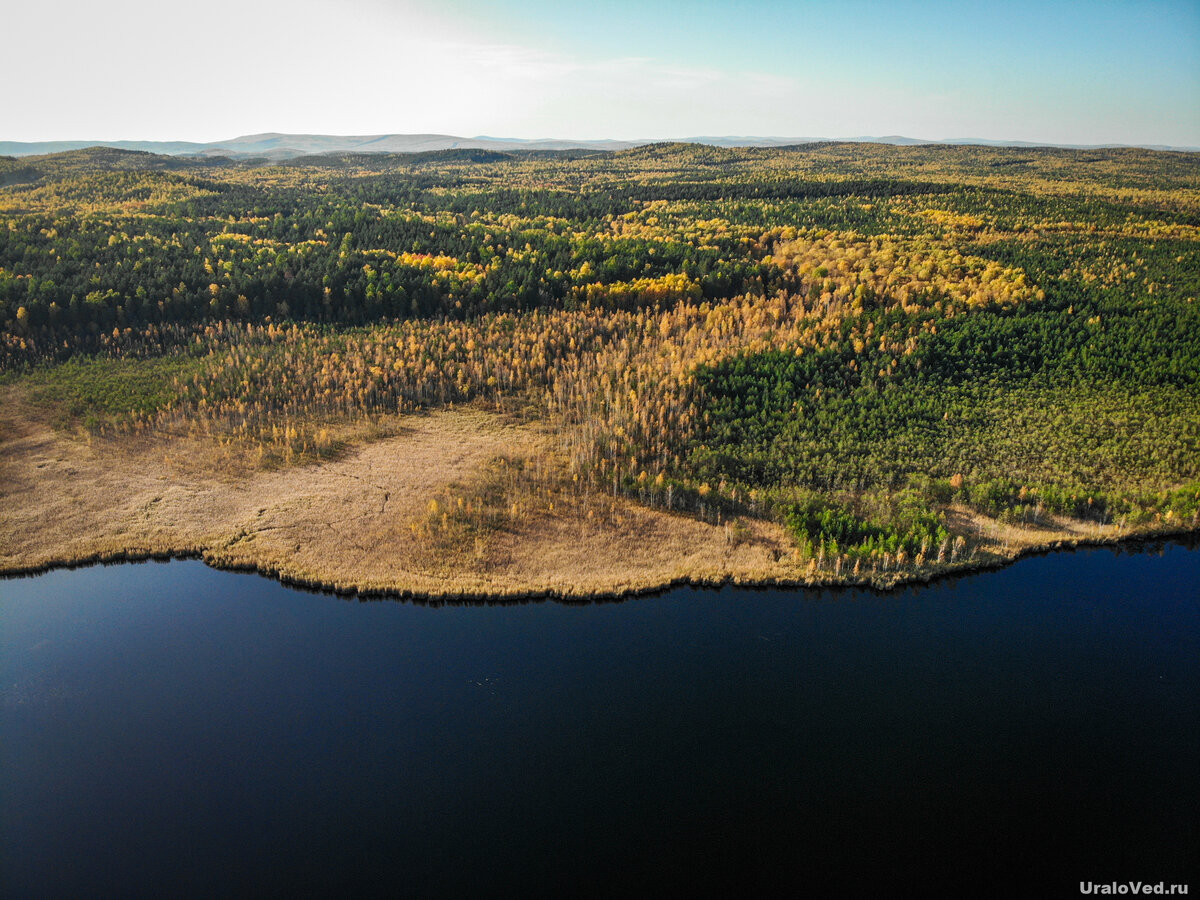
(730, 140)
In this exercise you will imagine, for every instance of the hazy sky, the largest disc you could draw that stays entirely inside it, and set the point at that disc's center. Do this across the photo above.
(1060, 72)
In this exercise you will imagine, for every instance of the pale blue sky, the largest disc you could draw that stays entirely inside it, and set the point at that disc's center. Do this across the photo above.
(1063, 72)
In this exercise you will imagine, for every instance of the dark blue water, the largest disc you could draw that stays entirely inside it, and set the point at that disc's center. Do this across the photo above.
(170, 729)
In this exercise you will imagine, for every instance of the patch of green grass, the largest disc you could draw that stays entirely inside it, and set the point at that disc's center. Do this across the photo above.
(98, 391)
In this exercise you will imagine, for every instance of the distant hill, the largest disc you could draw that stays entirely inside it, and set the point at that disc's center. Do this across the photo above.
(275, 146)
(288, 146)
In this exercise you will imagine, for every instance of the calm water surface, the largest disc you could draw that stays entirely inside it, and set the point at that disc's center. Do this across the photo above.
(171, 729)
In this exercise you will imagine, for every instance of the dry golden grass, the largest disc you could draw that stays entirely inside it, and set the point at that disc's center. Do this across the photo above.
(345, 523)
(362, 521)
(1007, 540)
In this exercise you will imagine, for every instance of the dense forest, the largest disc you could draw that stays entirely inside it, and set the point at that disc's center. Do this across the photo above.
(851, 339)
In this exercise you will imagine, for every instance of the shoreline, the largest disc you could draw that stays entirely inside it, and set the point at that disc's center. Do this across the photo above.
(362, 524)
(1180, 535)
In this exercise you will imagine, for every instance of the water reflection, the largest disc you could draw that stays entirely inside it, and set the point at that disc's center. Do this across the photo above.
(168, 728)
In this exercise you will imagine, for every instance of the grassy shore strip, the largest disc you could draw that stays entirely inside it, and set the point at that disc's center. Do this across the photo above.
(571, 594)
(455, 504)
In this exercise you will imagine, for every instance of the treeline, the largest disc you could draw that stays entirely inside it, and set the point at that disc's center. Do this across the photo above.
(95, 240)
(1023, 412)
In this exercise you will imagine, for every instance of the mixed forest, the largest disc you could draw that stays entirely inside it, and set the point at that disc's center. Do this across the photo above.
(851, 340)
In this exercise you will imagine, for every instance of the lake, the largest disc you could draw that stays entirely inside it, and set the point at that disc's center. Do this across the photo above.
(170, 729)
